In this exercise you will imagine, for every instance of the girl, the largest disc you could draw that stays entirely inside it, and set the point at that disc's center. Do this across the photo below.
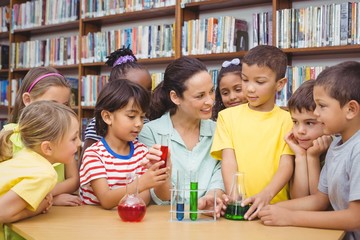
(47, 133)
(228, 92)
(181, 106)
(119, 113)
(124, 66)
(46, 83)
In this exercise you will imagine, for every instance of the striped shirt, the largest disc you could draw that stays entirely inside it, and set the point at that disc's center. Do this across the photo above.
(99, 161)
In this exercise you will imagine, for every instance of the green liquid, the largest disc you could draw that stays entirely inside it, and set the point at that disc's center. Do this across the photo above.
(193, 200)
(236, 211)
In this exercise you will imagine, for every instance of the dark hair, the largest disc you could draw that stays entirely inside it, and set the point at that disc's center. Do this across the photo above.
(341, 82)
(175, 77)
(120, 70)
(116, 95)
(303, 98)
(267, 56)
(219, 105)
(38, 89)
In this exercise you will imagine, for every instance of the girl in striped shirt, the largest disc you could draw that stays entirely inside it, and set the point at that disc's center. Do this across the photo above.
(119, 112)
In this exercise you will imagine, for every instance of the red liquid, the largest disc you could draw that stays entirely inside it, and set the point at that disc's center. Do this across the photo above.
(164, 150)
(133, 213)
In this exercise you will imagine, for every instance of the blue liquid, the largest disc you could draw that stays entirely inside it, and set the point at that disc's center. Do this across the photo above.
(180, 211)
(193, 200)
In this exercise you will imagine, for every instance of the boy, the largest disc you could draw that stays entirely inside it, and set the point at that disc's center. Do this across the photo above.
(250, 137)
(307, 140)
(337, 98)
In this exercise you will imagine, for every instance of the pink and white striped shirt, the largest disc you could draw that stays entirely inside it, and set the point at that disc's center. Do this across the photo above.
(99, 161)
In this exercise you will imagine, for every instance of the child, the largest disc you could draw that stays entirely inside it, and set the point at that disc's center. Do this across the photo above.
(124, 66)
(119, 113)
(250, 137)
(228, 92)
(49, 133)
(337, 98)
(46, 83)
(307, 140)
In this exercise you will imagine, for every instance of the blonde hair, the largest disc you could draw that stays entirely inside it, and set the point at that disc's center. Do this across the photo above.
(40, 121)
(38, 89)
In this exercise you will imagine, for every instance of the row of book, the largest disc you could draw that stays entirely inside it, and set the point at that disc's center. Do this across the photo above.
(43, 12)
(262, 28)
(145, 41)
(99, 8)
(4, 19)
(296, 75)
(214, 35)
(54, 52)
(315, 26)
(4, 56)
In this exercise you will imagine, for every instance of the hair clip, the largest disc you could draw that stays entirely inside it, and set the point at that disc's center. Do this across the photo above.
(235, 61)
(124, 59)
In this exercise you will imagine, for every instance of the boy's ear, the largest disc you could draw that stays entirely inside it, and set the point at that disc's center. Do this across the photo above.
(46, 148)
(352, 109)
(174, 97)
(281, 83)
(26, 98)
(106, 116)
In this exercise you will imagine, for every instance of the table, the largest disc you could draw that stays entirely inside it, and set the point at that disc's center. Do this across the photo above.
(92, 222)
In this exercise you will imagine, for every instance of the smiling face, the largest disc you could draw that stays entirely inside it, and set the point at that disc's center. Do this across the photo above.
(198, 98)
(306, 128)
(329, 112)
(65, 150)
(231, 90)
(260, 86)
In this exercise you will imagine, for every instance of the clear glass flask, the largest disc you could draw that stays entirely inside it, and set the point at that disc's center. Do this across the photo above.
(131, 207)
(234, 210)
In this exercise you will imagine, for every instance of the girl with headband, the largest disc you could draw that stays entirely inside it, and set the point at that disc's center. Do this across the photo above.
(228, 92)
(46, 83)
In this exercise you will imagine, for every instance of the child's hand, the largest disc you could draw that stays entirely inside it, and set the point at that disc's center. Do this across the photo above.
(258, 201)
(66, 199)
(320, 145)
(154, 176)
(294, 145)
(45, 204)
(207, 203)
(275, 215)
(153, 156)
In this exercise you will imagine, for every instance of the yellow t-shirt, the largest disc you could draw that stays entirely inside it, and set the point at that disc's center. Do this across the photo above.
(29, 175)
(258, 142)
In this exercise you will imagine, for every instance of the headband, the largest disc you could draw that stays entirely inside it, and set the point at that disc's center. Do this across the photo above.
(235, 61)
(124, 59)
(41, 77)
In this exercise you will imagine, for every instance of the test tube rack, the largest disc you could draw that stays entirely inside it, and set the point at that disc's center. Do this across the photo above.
(180, 211)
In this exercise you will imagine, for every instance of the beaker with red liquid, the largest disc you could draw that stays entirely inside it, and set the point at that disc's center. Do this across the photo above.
(131, 208)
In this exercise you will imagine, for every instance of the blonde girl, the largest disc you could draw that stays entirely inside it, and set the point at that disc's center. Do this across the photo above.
(46, 83)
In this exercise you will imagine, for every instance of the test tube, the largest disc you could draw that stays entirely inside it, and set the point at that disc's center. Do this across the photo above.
(193, 195)
(180, 198)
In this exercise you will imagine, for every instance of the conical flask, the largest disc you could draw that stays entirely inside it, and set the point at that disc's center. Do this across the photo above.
(131, 207)
(234, 210)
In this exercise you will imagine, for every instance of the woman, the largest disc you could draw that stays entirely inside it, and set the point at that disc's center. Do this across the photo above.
(181, 107)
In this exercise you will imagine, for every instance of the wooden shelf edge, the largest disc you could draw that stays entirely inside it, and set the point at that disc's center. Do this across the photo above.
(141, 61)
(219, 56)
(132, 16)
(49, 28)
(323, 50)
(216, 4)
(73, 66)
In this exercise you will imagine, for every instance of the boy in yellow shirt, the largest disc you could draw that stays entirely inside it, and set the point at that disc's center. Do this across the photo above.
(250, 137)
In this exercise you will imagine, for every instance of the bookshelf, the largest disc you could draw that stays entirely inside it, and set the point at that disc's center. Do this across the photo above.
(177, 12)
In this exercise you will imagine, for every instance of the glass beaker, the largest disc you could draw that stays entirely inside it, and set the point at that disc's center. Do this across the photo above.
(131, 207)
(234, 210)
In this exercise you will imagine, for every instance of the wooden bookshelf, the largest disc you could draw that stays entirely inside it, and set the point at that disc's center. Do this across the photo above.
(179, 12)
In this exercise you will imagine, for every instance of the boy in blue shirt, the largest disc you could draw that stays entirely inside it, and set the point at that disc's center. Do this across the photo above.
(337, 98)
